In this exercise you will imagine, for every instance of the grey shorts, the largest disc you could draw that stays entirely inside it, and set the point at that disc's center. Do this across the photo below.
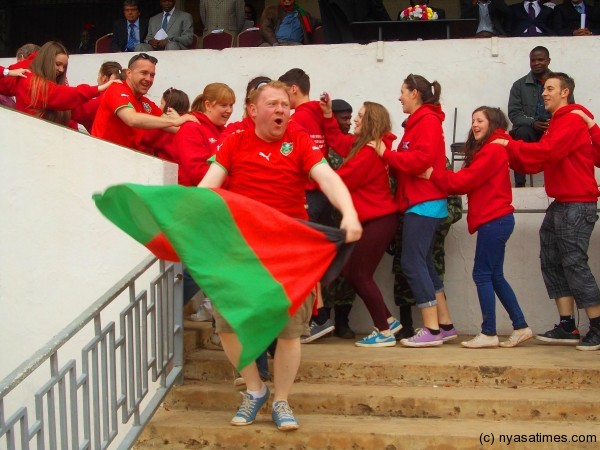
(564, 241)
(297, 325)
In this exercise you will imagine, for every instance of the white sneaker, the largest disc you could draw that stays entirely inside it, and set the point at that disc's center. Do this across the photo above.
(517, 337)
(481, 341)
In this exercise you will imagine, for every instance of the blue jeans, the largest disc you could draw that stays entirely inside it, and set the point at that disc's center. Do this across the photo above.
(417, 258)
(488, 274)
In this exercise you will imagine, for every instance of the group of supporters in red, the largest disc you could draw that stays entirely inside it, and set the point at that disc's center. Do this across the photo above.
(282, 160)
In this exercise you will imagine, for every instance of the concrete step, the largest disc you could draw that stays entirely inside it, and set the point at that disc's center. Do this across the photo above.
(334, 360)
(179, 430)
(469, 403)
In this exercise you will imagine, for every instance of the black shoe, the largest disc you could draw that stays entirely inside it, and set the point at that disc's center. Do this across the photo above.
(559, 335)
(591, 341)
(344, 332)
(405, 333)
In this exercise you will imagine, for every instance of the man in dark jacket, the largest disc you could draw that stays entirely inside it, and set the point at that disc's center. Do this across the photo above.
(286, 24)
(531, 18)
(337, 15)
(567, 18)
(491, 14)
(130, 30)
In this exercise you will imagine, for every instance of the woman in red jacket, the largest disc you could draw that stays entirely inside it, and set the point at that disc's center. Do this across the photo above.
(84, 114)
(424, 205)
(161, 143)
(366, 176)
(195, 143)
(485, 179)
(44, 92)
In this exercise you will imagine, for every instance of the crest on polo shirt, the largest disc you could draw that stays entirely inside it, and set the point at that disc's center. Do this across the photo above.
(147, 107)
(286, 148)
(405, 145)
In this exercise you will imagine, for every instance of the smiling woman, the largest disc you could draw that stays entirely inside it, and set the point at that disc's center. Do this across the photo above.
(195, 143)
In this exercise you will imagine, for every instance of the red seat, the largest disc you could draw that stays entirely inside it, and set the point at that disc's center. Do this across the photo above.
(217, 41)
(249, 38)
(103, 43)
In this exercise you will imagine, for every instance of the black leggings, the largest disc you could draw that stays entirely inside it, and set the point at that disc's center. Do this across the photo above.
(359, 270)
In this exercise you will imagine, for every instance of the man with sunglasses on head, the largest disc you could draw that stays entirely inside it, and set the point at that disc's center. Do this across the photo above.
(125, 112)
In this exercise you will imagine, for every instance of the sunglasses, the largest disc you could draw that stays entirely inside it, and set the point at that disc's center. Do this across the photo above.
(146, 56)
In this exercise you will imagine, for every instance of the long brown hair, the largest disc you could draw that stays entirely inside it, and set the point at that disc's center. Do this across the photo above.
(375, 123)
(497, 120)
(43, 68)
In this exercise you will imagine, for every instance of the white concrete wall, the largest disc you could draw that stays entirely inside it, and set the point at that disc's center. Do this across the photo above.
(62, 169)
(57, 253)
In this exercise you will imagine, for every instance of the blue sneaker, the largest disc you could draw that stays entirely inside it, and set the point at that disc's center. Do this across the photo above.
(249, 408)
(283, 416)
(377, 339)
(395, 326)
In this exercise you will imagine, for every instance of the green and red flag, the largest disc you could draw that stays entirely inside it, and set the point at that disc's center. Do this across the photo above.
(256, 264)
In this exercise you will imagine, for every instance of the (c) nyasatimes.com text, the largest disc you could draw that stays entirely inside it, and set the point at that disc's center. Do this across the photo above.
(507, 439)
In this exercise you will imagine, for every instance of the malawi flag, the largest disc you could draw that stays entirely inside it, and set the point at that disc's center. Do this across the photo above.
(256, 264)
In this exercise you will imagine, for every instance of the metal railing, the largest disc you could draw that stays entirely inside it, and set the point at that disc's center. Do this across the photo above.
(126, 368)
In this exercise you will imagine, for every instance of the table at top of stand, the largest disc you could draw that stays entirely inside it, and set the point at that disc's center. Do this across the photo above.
(410, 30)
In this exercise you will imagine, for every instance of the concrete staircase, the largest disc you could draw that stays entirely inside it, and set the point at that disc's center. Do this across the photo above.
(397, 398)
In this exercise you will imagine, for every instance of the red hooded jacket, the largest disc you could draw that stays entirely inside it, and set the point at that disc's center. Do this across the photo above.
(194, 143)
(486, 182)
(566, 155)
(422, 146)
(365, 175)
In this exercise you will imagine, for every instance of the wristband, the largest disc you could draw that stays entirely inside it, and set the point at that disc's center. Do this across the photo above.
(5, 72)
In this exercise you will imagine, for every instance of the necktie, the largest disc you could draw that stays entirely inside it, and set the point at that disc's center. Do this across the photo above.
(131, 39)
(165, 21)
(579, 8)
(531, 31)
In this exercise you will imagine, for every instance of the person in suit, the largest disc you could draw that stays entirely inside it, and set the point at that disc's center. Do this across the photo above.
(129, 30)
(566, 19)
(224, 15)
(179, 26)
(491, 14)
(337, 15)
(531, 18)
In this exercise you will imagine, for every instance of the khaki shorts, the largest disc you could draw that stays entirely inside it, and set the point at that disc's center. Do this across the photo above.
(297, 325)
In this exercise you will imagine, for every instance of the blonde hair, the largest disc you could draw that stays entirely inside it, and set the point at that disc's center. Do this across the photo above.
(255, 93)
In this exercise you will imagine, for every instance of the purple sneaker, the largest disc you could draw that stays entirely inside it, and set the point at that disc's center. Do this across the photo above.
(448, 335)
(423, 338)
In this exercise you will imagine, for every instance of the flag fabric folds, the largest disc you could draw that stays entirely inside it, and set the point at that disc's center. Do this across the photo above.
(256, 264)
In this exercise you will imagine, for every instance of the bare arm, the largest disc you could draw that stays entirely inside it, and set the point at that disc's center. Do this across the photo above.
(337, 193)
(135, 119)
(214, 178)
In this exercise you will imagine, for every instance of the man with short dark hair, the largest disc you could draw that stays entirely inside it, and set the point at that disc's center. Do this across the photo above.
(129, 30)
(526, 108)
(566, 155)
(124, 112)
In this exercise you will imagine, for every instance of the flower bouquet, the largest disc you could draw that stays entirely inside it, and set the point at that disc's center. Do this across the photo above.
(418, 12)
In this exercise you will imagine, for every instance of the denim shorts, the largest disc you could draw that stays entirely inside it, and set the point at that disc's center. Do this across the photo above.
(564, 241)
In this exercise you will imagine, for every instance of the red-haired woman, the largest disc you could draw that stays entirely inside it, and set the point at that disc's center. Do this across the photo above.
(44, 92)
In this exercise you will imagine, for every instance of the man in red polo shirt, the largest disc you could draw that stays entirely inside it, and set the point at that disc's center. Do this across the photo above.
(125, 112)
(271, 164)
